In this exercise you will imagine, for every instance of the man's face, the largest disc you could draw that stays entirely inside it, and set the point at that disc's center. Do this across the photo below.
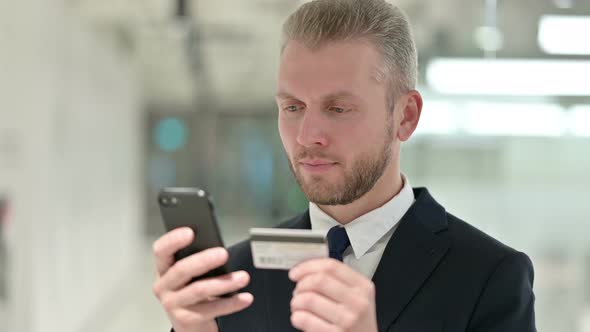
(334, 120)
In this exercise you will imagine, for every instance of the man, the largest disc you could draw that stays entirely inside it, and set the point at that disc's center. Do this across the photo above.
(347, 100)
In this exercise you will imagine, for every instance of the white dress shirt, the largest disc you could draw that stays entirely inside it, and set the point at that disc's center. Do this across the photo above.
(368, 233)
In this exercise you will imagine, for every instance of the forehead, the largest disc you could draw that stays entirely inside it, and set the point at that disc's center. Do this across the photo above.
(333, 66)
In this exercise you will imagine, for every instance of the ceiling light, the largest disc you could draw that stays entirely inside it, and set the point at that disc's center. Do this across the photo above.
(509, 77)
(514, 119)
(563, 34)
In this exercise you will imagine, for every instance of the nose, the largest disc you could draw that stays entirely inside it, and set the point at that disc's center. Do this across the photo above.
(312, 130)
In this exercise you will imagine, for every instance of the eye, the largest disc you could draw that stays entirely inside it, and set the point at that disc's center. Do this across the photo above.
(338, 110)
(291, 108)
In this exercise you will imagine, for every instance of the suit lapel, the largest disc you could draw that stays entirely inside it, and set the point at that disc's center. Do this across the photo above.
(279, 288)
(411, 255)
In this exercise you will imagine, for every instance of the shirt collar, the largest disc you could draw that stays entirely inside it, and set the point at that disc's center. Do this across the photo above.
(367, 229)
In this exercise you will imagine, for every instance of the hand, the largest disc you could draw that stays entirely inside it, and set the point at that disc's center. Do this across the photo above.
(330, 296)
(195, 306)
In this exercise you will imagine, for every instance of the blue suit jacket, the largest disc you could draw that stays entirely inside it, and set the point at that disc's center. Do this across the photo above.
(437, 273)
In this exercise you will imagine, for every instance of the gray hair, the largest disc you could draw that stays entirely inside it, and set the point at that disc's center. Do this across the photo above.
(382, 23)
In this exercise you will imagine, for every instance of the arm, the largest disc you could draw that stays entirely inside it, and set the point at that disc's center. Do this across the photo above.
(506, 304)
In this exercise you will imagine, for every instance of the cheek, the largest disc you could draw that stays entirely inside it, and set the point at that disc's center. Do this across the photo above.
(358, 132)
(363, 136)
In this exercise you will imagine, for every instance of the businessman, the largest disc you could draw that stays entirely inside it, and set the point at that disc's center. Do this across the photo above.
(398, 260)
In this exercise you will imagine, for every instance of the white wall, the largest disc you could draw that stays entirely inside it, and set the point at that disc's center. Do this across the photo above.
(70, 116)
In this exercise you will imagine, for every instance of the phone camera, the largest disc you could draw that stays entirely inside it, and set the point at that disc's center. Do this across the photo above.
(169, 201)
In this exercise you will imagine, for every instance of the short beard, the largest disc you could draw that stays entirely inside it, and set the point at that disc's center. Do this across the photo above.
(357, 181)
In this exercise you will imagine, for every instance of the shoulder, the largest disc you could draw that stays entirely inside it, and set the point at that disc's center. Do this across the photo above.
(299, 221)
(500, 277)
(468, 244)
(471, 241)
(476, 250)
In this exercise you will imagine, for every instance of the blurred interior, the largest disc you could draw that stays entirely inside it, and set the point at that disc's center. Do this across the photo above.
(102, 103)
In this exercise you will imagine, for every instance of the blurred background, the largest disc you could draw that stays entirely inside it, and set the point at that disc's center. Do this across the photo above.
(104, 102)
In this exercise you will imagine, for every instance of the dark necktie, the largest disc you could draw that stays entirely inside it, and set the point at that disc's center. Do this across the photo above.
(337, 242)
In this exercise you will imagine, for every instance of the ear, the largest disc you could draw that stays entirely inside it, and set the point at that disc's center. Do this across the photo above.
(410, 114)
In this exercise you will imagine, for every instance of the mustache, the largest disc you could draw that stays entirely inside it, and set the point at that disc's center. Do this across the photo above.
(312, 154)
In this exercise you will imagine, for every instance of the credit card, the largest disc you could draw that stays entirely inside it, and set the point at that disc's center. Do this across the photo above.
(279, 248)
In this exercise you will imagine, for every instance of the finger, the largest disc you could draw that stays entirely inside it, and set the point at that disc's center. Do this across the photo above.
(207, 288)
(192, 266)
(223, 306)
(184, 320)
(327, 286)
(319, 306)
(329, 266)
(307, 321)
(165, 247)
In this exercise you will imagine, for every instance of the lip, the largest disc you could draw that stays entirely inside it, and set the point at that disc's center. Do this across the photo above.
(316, 162)
(316, 165)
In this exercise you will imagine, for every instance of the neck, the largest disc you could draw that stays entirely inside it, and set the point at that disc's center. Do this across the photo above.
(387, 187)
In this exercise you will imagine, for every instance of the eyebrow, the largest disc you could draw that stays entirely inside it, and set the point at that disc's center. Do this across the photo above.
(284, 95)
(329, 97)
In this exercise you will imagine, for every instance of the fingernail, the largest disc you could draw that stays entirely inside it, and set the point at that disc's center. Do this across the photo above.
(241, 276)
(246, 297)
(186, 232)
(220, 252)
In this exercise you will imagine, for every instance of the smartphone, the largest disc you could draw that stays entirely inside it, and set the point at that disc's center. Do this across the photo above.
(193, 208)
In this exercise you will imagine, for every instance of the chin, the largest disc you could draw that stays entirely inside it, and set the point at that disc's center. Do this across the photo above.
(322, 195)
